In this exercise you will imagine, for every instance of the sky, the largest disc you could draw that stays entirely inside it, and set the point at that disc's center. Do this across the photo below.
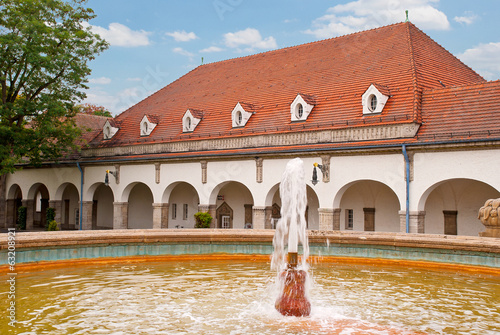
(155, 42)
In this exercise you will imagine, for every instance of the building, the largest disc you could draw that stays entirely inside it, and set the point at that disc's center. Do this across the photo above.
(404, 133)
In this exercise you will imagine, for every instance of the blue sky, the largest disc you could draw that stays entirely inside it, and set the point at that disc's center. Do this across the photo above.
(154, 42)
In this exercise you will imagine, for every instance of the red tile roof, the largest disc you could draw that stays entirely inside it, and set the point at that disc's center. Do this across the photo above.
(400, 60)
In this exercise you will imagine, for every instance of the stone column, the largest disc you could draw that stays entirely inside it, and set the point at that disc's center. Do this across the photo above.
(87, 215)
(10, 213)
(336, 218)
(325, 218)
(30, 213)
(57, 205)
(268, 217)
(160, 216)
(417, 222)
(450, 222)
(259, 217)
(369, 219)
(120, 219)
(210, 209)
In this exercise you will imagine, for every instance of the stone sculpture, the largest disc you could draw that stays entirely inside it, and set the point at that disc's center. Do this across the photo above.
(488, 214)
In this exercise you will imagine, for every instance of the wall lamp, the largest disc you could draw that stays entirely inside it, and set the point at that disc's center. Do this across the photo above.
(322, 168)
(106, 178)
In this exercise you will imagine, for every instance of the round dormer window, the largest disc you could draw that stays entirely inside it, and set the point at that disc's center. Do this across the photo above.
(145, 127)
(299, 111)
(188, 123)
(107, 132)
(372, 103)
(239, 118)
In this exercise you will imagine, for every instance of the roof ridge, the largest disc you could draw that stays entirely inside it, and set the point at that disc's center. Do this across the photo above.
(300, 45)
(416, 113)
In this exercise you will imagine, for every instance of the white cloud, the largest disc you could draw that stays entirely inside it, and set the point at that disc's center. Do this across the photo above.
(485, 59)
(249, 39)
(211, 49)
(134, 79)
(360, 15)
(183, 52)
(100, 81)
(182, 36)
(467, 19)
(121, 35)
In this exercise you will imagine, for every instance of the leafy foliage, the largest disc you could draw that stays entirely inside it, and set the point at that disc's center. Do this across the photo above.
(92, 109)
(203, 220)
(50, 214)
(21, 217)
(44, 49)
(52, 226)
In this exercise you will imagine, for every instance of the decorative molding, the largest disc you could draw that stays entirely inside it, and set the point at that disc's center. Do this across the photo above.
(203, 172)
(368, 133)
(117, 173)
(259, 170)
(325, 161)
(157, 172)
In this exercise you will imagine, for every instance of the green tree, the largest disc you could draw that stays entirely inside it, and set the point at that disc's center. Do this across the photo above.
(45, 46)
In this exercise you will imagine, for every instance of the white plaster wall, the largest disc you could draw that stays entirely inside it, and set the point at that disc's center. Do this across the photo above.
(52, 178)
(431, 168)
(140, 208)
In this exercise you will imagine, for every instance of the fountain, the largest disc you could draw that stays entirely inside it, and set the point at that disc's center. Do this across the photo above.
(292, 225)
(218, 281)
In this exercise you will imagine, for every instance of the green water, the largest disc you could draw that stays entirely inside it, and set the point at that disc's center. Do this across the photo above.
(237, 297)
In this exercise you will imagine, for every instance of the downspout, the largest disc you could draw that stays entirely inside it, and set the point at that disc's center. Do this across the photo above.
(81, 194)
(407, 163)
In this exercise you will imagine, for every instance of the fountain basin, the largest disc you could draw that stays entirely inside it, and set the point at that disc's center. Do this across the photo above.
(41, 248)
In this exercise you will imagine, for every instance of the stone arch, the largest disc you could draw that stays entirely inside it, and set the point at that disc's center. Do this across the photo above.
(140, 206)
(66, 204)
(451, 206)
(183, 198)
(102, 206)
(14, 201)
(37, 204)
(368, 205)
(237, 196)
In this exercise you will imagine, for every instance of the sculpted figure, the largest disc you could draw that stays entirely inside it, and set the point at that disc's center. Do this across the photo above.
(488, 214)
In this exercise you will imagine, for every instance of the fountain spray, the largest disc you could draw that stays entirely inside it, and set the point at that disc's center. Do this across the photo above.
(292, 226)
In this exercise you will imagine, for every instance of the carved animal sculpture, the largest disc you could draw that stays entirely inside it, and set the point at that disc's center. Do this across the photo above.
(488, 214)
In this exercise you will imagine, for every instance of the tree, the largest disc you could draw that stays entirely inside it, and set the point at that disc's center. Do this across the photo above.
(45, 46)
(92, 109)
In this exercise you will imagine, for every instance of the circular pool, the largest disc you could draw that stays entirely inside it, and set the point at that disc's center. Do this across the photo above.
(208, 296)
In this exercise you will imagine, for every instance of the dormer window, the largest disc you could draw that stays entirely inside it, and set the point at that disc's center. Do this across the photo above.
(301, 107)
(241, 114)
(147, 126)
(374, 99)
(108, 131)
(191, 119)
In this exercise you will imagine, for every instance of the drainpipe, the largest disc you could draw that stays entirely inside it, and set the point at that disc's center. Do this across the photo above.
(81, 194)
(407, 162)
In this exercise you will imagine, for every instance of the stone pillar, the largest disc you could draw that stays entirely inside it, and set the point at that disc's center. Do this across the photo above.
(210, 209)
(450, 222)
(160, 216)
(259, 217)
(417, 222)
(87, 214)
(336, 218)
(30, 213)
(369, 219)
(10, 213)
(325, 218)
(120, 218)
(268, 213)
(57, 205)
